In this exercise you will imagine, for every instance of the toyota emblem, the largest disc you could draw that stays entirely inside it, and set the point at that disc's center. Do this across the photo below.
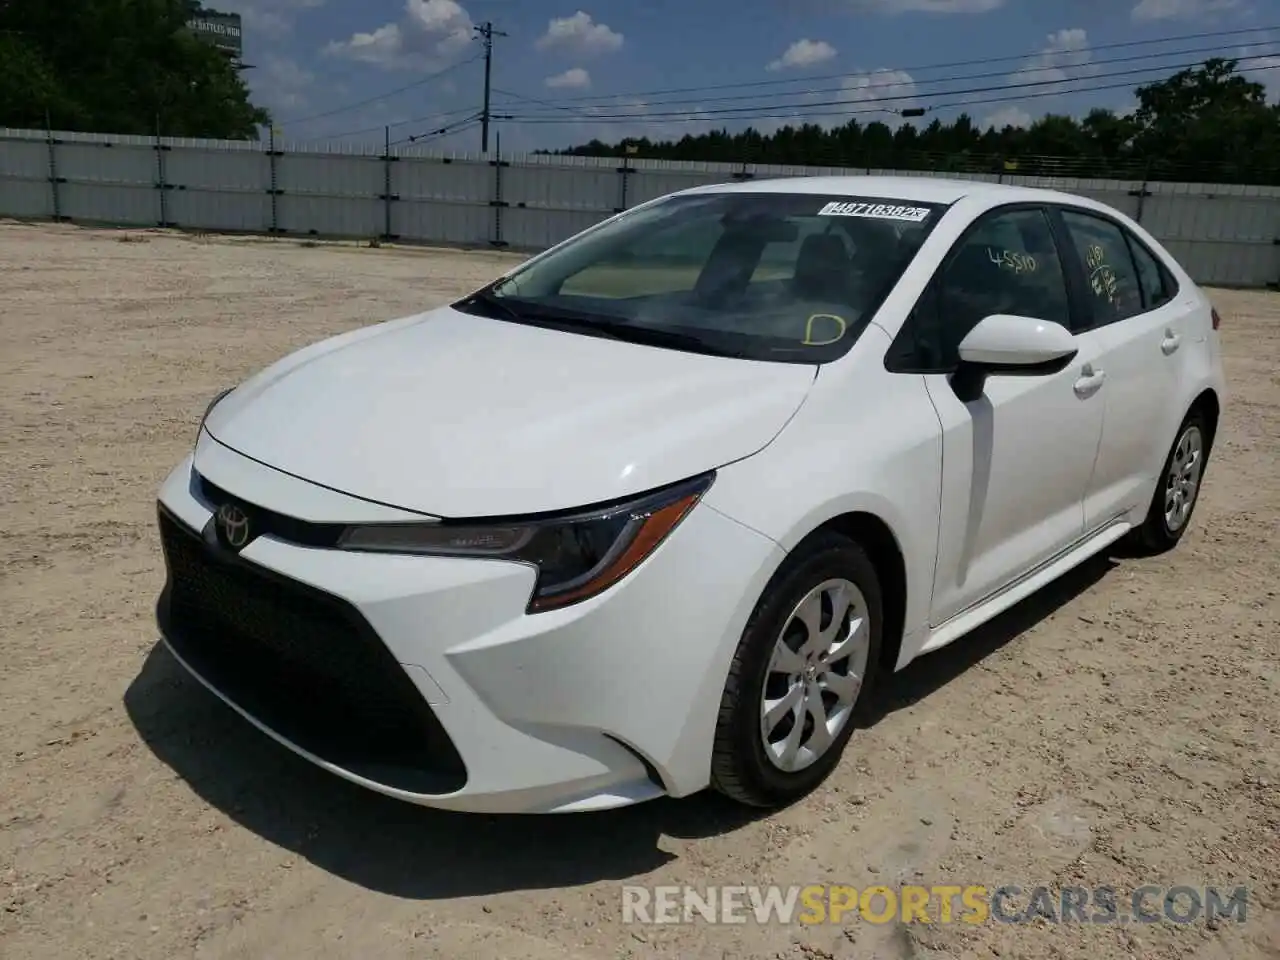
(233, 524)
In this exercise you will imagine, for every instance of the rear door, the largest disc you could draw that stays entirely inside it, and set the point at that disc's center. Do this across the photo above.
(1133, 304)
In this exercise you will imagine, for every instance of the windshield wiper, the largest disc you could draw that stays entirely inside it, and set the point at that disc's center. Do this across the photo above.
(493, 305)
(593, 325)
(636, 333)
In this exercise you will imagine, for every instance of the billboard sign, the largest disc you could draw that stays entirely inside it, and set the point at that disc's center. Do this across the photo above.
(223, 30)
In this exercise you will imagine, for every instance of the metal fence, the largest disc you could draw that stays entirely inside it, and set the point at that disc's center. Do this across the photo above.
(1223, 234)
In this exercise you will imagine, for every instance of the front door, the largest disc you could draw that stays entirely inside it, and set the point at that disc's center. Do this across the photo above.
(1017, 460)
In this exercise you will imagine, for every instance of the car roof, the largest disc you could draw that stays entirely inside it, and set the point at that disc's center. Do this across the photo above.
(911, 189)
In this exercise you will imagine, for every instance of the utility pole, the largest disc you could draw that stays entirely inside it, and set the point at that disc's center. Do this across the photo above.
(486, 33)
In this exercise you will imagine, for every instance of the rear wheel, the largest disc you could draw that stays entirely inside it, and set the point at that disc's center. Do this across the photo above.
(801, 675)
(1179, 488)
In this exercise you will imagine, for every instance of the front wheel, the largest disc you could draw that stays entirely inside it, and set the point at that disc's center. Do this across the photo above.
(1179, 488)
(801, 674)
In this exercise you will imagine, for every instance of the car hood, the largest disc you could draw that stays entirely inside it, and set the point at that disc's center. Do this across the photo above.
(454, 415)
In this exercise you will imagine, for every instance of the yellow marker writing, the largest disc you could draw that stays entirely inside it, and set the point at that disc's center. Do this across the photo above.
(808, 330)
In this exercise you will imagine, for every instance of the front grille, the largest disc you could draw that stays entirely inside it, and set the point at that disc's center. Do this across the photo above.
(269, 522)
(302, 662)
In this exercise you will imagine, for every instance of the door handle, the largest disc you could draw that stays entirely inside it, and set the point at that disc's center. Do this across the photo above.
(1170, 342)
(1090, 382)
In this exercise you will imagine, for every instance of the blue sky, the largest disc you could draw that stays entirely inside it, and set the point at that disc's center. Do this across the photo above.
(612, 69)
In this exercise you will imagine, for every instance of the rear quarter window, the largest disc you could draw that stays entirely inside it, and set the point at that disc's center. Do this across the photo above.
(1157, 285)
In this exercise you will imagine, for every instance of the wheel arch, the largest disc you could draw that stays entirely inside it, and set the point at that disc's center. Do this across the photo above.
(1208, 404)
(874, 535)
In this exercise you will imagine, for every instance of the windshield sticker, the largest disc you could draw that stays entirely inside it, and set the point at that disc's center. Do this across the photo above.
(874, 211)
(808, 340)
(1012, 260)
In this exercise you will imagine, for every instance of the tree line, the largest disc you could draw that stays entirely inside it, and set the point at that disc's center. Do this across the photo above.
(118, 66)
(1208, 123)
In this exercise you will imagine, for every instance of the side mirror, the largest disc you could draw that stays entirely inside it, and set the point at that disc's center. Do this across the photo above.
(1005, 345)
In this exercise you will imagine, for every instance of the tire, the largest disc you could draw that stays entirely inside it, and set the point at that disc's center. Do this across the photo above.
(1164, 526)
(743, 767)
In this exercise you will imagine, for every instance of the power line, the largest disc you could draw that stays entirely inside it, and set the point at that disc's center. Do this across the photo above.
(603, 98)
(441, 134)
(1054, 93)
(399, 123)
(422, 81)
(685, 118)
(880, 84)
(448, 129)
(806, 106)
(542, 103)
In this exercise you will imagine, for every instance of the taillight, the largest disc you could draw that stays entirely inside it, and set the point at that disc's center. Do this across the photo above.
(1217, 320)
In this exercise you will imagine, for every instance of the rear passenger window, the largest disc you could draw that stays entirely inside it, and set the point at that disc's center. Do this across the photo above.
(1110, 276)
(1151, 279)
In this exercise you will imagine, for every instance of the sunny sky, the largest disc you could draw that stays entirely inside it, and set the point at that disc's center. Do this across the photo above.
(569, 71)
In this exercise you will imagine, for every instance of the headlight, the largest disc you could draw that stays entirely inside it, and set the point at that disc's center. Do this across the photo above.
(577, 555)
(209, 409)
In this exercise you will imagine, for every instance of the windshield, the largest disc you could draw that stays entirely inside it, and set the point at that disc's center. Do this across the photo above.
(765, 276)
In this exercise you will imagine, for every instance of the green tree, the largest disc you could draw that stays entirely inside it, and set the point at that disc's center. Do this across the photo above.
(1210, 116)
(1108, 135)
(1207, 123)
(118, 66)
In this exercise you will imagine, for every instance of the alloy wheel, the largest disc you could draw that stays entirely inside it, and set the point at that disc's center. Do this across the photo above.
(1183, 480)
(815, 673)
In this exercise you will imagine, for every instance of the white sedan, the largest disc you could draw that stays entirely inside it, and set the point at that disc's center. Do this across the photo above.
(652, 512)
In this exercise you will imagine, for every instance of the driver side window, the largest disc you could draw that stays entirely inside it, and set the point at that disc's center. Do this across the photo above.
(1008, 264)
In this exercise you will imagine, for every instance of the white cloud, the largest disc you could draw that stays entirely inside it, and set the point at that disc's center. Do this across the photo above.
(1007, 117)
(575, 78)
(270, 18)
(869, 97)
(430, 35)
(1149, 10)
(284, 85)
(896, 88)
(580, 34)
(1066, 57)
(932, 6)
(803, 53)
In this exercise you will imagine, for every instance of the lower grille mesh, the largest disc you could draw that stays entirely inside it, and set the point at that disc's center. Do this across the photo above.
(302, 662)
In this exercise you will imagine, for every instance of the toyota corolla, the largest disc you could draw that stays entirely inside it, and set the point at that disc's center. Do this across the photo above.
(655, 510)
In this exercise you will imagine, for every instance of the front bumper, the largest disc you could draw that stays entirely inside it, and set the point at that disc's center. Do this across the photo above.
(424, 678)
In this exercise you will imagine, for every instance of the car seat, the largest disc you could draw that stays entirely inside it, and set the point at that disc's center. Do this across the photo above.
(822, 269)
(1043, 290)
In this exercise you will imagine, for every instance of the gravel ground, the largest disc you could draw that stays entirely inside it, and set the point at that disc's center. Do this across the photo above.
(1118, 729)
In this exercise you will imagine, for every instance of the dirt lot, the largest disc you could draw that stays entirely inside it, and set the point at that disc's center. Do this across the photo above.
(1121, 729)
